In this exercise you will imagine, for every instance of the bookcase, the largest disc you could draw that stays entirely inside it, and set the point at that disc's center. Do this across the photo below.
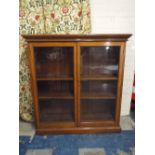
(77, 82)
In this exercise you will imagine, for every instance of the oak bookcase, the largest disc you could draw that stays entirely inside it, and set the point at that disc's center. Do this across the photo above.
(77, 82)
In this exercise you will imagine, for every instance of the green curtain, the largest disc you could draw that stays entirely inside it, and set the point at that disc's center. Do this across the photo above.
(46, 17)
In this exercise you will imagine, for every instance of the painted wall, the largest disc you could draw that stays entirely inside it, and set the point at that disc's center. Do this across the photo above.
(117, 16)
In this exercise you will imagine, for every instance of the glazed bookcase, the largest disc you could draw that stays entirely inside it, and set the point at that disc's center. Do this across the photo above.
(77, 82)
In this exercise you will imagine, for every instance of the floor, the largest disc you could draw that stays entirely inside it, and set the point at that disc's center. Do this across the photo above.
(79, 144)
(87, 144)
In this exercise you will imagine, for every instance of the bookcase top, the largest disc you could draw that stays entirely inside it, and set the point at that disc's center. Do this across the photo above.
(77, 37)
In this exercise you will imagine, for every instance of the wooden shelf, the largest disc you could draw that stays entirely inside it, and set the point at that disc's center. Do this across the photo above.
(55, 95)
(57, 110)
(97, 95)
(92, 111)
(89, 117)
(57, 117)
(98, 78)
(54, 78)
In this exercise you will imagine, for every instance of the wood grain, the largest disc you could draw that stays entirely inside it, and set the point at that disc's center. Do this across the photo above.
(65, 90)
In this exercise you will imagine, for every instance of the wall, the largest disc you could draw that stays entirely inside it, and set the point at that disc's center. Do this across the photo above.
(117, 16)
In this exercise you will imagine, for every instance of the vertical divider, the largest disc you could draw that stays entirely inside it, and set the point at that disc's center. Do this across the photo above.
(78, 82)
(75, 84)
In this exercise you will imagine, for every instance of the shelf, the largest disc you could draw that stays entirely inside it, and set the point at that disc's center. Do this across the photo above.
(70, 78)
(98, 78)
(90, 117)
(97, 95)
(54, 63)
(64, 95)
(97, 110)
(57, 117)
(55, 89)
(55, 95)
(54, 78)
(56, 110)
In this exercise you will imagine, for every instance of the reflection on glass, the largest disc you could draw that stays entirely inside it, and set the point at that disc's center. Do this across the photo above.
(59, 89)
(54, 61)
(98, 89)
(99, 60)
(54, 73)
(97, 110)
(98, 96)
(56, 110)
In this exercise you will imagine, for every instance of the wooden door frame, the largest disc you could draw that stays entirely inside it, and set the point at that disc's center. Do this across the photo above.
(119, 82)
(34, 81)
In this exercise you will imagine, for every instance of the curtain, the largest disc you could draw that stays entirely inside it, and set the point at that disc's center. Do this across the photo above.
(46, 17)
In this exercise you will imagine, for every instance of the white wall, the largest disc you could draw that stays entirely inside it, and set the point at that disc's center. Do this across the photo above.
(117, 16)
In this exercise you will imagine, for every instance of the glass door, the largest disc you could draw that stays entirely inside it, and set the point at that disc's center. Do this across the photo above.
(98, 82)
(54, 69)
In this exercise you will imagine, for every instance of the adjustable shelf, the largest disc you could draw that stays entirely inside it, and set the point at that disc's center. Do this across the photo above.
(97, 95)
(54, 78)
(98, 78)
(55, 95)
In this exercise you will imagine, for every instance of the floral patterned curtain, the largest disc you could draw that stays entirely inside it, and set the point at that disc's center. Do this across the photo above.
(46, 17)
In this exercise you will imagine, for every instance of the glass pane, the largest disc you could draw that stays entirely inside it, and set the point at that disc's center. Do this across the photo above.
(54, 73)
(98, 89)
(54, 61)
(55, 89)
(56, 110)
(99, 60)
(97, 110)
(98, 96)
